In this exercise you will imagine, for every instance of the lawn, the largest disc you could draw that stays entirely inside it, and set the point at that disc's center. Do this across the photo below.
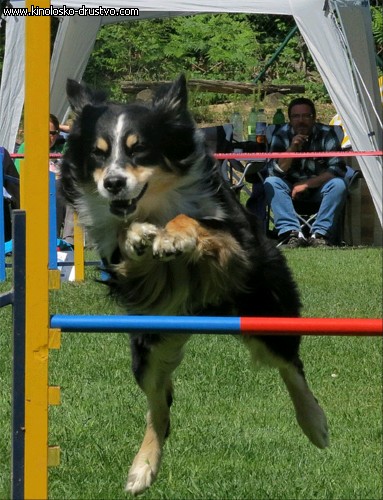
(234, 435)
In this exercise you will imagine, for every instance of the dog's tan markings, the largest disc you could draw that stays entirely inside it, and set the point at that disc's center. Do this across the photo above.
(162, 181)
(102, 144)
(209, 242)
(142, 174)
(98, 174)
(145, 466)
(131, 140)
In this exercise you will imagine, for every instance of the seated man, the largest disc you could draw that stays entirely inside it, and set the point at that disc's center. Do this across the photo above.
(309, 179)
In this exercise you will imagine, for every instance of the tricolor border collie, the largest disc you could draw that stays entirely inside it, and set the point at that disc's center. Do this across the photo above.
(175, 242)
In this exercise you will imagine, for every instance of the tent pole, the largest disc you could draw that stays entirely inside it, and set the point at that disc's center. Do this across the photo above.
(276, 54)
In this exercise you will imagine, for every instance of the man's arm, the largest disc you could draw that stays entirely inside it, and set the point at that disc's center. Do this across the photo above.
(296, 146)
(312, 183)
(336, 166)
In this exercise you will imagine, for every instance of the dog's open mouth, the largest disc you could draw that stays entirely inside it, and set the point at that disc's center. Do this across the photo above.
(123, 208)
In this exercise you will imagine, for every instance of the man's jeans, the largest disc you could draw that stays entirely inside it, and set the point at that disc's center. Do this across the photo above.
(331, 196)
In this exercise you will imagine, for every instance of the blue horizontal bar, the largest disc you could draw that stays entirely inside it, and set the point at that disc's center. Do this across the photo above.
(85, 323)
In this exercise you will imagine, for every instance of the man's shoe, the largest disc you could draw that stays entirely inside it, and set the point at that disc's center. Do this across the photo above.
(319, 241)
(292, 239)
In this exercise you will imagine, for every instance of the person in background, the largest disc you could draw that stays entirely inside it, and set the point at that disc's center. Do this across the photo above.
(19, 139)
(11, 192)
(319, 179)
(56, 140)
(56, 145)
(67, 230)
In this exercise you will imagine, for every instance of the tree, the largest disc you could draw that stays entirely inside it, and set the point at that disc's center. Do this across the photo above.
(213, 46)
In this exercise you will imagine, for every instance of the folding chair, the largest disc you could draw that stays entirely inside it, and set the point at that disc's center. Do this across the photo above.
(240, 174)
(219, 139)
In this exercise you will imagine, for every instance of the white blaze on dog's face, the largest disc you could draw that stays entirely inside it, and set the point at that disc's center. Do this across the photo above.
(117, 174)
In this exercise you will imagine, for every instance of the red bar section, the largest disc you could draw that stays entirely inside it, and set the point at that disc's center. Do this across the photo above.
(312, 326)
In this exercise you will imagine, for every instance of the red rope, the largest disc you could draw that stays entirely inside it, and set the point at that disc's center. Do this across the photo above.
(248, 156)
(314, 154)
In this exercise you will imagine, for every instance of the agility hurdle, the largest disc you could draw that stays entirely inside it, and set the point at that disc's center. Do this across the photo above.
(40, 332)
(219, 325)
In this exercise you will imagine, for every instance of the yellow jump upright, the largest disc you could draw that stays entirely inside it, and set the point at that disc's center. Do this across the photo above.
(36, 203)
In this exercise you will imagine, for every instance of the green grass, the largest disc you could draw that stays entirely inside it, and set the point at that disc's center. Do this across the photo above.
(234, 435)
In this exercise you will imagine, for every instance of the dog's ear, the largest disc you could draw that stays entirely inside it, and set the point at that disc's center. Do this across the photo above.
(80, 95)
(173, 121)
(172, 98)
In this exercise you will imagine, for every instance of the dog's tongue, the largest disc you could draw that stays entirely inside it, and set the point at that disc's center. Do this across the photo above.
(123, 208)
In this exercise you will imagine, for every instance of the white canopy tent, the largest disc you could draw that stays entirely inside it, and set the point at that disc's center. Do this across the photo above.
(337, 33)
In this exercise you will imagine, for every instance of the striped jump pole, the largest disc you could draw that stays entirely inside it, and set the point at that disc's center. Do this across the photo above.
(223, 325)
(35, 202)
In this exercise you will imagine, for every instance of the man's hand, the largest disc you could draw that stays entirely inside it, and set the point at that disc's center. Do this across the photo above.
(298, 188)
(298, 142)
(296, 146)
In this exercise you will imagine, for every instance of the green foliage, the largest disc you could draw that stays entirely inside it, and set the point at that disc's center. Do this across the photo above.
(219, 46)
(294, 59)
(377, 28)
(212, 46)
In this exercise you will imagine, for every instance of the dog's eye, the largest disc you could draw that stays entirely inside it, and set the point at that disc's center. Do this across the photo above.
(137, 149)
(98, 152)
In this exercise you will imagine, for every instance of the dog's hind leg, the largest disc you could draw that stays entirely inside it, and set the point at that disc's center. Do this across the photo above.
(153, 367)
(309, 414)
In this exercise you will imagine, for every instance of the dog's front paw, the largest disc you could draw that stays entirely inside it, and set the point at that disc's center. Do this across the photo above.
(140, 478)
(138, 238)
(167, 246)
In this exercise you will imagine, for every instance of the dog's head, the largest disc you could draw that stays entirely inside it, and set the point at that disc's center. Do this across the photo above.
(121, 150)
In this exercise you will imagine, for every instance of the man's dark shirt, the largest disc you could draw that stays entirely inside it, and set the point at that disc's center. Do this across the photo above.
(323, 138)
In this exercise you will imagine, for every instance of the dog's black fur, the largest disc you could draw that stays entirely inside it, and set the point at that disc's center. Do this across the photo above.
(175, 242)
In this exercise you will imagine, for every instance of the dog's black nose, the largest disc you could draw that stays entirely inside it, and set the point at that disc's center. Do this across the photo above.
(114, 183)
